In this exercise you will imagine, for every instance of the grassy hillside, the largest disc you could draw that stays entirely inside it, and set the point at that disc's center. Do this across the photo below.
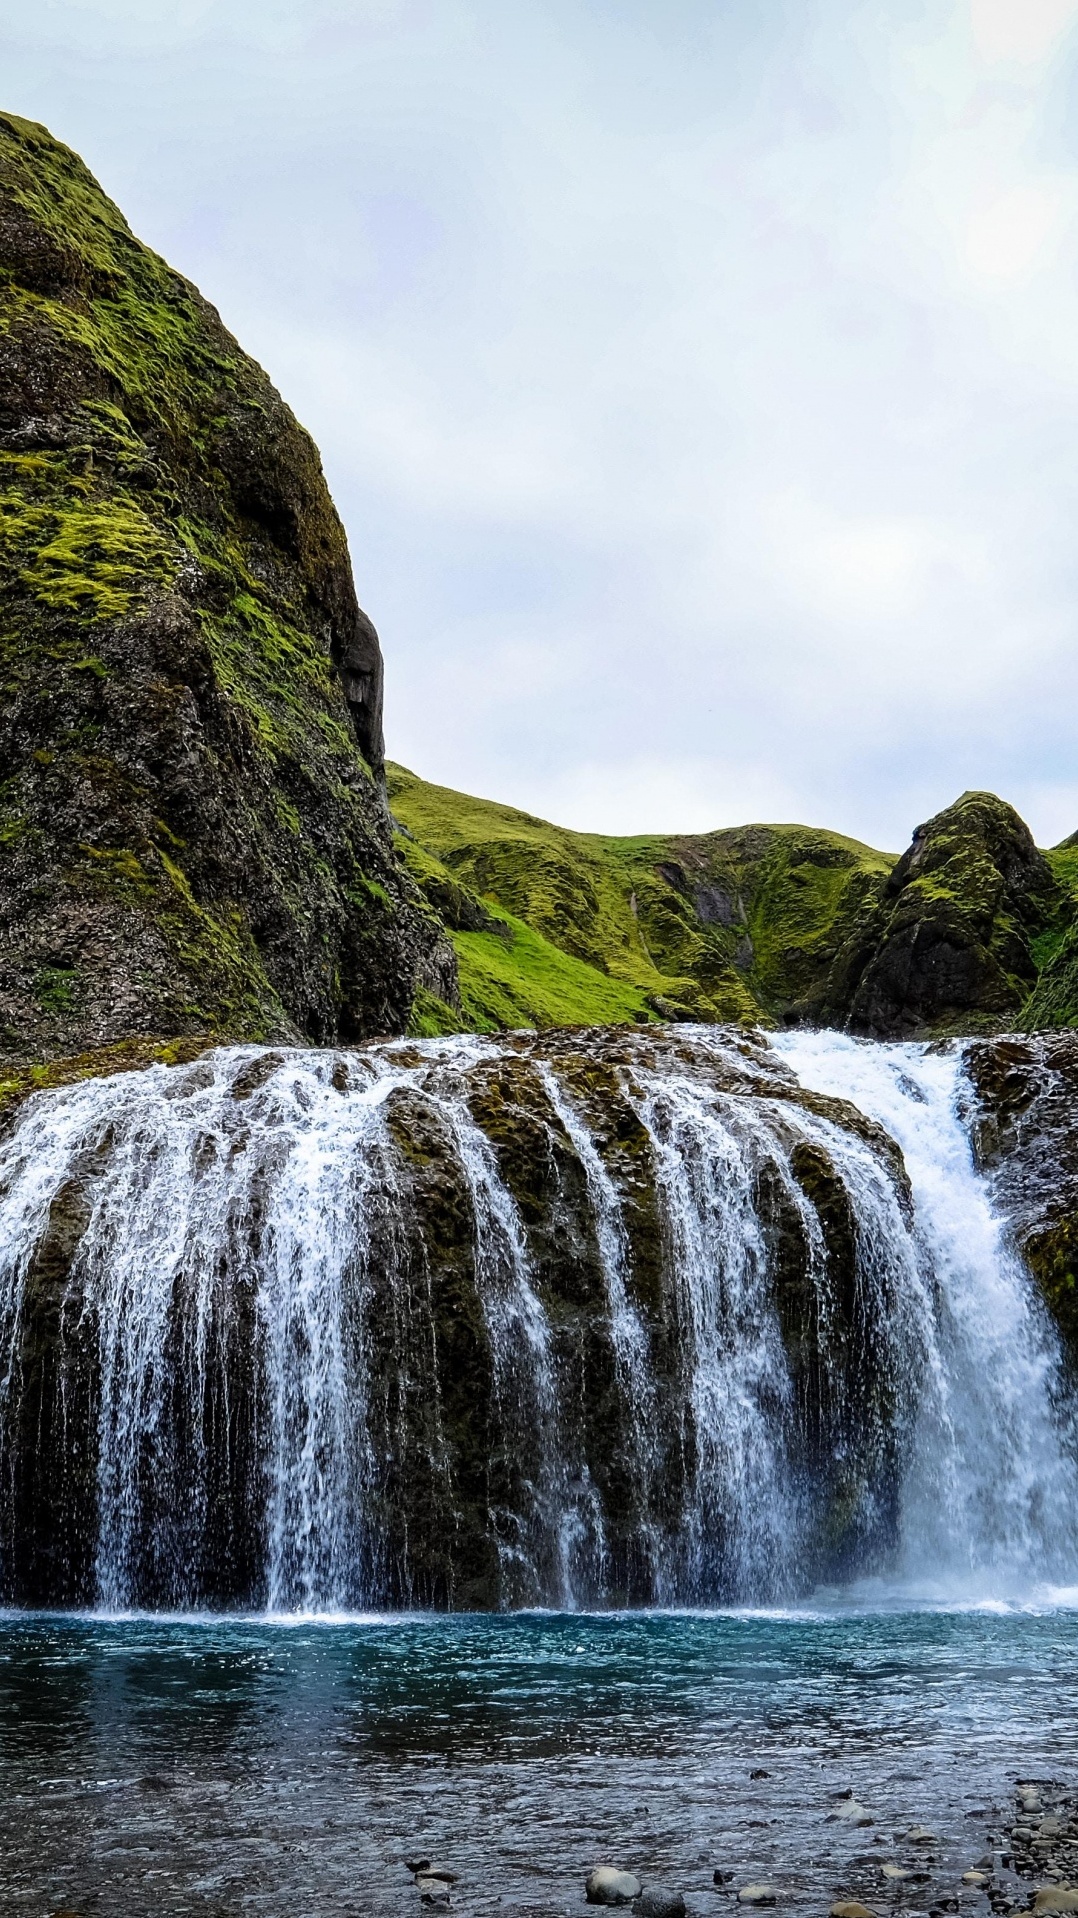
(971, 930)
(559, 927)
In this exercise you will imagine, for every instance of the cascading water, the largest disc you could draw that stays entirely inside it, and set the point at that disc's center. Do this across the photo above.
(990, 1493)
(602, 1319)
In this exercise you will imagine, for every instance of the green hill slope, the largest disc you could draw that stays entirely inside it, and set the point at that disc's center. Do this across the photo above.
(972, 930)
(743, 924)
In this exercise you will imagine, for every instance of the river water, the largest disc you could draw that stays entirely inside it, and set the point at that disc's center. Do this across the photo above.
(208, 1767)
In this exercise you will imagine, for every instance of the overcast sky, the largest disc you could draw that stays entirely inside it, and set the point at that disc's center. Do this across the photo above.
(697, 379)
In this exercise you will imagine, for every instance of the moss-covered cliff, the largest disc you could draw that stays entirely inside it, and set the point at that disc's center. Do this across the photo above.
(193, 833)
(194, 837)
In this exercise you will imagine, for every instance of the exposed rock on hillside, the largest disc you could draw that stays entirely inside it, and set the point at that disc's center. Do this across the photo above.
(949, 941)
(193, 834)
(743, 924)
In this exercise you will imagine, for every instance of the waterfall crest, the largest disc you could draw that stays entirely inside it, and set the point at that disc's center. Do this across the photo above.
(601, 1318)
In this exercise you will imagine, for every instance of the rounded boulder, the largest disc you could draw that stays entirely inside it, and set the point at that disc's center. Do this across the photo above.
(607, 1886)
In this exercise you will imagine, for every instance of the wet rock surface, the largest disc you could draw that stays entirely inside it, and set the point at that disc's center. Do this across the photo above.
(1022, 1116)
(1042, 1834)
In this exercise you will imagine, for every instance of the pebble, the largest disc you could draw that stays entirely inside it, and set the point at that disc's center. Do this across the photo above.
(920, 1835)
(976, 1877)
(852, 1812)
(607, 1886)
(432, 1891)
(849, 1908)
(756, 1895)
(656, 1901)
(896, 1873)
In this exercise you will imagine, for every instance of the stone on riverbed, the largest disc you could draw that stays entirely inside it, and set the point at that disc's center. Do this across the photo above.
(432, 1891)
(851, 1812)
(920, 1835)
(976, 1877)
(607, 1886)
(896, 1873)
(850, 1908)
(1055, 1898)
(657, 1901)
(757, 1895)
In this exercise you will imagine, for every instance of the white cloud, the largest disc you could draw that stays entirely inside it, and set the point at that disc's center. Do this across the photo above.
(699, 386)
(1011, 235)
(1024, 31)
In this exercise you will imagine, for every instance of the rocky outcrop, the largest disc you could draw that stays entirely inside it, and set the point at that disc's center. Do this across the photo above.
(193, 830)
(1025, 1134)
(948, 943)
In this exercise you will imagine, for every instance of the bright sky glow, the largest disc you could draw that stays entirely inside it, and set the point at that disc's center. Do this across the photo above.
(698, 383)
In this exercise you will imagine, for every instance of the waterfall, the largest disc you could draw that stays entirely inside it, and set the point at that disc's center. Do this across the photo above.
(576, 1319)
(991, 1490)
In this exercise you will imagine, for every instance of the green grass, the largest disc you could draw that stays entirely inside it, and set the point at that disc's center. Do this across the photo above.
(638, 918)
(527, 981)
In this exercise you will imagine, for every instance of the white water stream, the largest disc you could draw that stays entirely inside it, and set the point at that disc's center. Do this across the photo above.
(990, 1495)
(247, 1232)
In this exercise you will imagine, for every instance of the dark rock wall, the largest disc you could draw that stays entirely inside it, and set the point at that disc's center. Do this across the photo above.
(193, 830)
(1025, 1131)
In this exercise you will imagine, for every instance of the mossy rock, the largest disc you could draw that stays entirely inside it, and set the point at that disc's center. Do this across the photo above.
(951, 944)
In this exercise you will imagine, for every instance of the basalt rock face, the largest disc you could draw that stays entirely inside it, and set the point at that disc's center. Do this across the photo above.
(1025, 1135)
(193, 831)
(947, 944)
